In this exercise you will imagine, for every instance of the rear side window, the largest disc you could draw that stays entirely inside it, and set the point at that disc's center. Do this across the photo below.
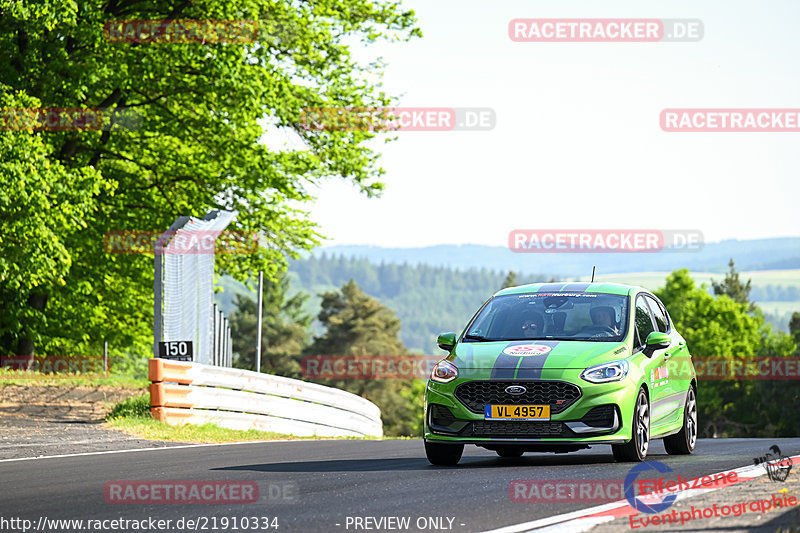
(644, 322)
(658, 313)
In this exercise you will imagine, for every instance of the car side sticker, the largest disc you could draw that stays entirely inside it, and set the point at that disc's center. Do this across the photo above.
(659, 377)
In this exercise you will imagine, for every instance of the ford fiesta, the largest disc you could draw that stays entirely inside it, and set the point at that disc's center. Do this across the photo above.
(556, 367)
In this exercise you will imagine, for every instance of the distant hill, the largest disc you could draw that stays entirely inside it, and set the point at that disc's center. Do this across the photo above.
(758, 254)
(428, 300)
(433, 299)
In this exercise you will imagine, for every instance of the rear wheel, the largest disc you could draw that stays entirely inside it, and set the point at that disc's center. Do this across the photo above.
(509, 452)
(441, 454)
(636, 449)
(683, 442)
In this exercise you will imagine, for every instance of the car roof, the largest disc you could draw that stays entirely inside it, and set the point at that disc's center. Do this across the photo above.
(573, 286)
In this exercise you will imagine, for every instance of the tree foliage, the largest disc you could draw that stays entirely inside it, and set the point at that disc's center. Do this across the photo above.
(732, 287)
(794, 329)
(511, 279)
(723, 328)
(428, 299)
(198, 147)
(357, 324)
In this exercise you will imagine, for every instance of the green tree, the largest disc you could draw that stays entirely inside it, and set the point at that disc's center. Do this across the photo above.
(794, 330)
(284, 331)
(715, 328)
(42, 206)
(732, 287)
(199, 146)
(357, 324)
(776, 401)
(511, 279)
(726, 329)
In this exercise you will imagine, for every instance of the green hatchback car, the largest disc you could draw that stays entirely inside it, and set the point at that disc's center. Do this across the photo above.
(557, 367)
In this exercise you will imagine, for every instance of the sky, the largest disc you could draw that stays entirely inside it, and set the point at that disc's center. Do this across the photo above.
(577, 141)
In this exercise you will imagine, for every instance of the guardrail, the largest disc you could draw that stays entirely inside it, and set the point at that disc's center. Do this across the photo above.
(192, 393)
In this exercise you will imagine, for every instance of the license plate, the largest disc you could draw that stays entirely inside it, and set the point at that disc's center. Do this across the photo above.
(517, 412)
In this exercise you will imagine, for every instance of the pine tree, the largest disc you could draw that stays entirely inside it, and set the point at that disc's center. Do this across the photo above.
(284, 332)
(357, 324)
(511, 279)
(736, 290)
(794, 330)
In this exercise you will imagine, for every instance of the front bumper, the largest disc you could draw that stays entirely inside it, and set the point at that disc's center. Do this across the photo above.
(600, 415)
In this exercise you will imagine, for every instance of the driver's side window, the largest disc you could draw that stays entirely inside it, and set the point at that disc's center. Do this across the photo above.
(644, 322)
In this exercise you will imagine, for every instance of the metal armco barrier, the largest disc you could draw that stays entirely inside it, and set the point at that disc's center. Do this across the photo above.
(192, 393)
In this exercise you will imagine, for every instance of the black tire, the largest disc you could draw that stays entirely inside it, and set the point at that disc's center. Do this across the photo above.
(510, 452)
(684, 441)
(636, 450)
(443, 454)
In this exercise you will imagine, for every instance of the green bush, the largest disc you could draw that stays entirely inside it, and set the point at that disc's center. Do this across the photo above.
(136, 407)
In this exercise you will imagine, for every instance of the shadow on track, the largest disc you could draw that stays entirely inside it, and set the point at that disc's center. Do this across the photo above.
(421, 464)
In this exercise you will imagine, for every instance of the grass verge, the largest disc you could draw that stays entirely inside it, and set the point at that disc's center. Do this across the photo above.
(151, 429)
(16, 377)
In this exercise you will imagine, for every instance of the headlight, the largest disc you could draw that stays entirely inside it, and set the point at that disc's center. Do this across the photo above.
(606, 372)
(444, 372)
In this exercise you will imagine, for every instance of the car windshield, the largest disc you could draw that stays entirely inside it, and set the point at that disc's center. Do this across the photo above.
(560, 316)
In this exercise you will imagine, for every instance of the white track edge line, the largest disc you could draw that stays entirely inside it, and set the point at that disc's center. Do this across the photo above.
(179, 447)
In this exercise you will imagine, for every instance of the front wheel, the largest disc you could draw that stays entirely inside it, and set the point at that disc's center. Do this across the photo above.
(441, 454)
(683, 442)
(636, 449)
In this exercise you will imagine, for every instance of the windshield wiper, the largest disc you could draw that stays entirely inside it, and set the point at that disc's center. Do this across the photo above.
(475, 337)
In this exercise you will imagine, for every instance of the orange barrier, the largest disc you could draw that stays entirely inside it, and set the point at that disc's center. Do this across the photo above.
(166, 370)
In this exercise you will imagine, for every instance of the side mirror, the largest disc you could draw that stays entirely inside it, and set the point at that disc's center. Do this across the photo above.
(446, 341)
(656, 341)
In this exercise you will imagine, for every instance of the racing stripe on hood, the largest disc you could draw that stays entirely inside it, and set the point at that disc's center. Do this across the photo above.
(505, 366)
(531, 367)
(521, 367)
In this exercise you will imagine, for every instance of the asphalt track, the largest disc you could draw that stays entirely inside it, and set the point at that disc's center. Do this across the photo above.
(333, 482)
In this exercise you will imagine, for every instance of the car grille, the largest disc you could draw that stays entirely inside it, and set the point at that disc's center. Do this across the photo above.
(477, 394)
(519, 429)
